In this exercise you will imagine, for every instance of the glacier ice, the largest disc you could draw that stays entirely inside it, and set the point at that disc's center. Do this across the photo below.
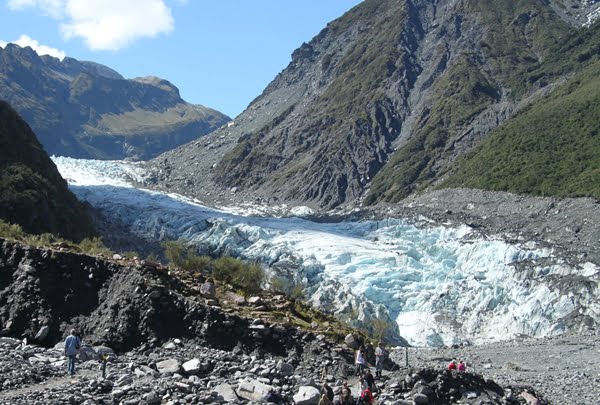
(442, 285)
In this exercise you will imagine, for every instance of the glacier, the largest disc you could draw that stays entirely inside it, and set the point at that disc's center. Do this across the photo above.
(433, 284)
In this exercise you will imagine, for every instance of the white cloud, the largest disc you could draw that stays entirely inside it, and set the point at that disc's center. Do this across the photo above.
(106, 24)
(24, 41)
(52, 8)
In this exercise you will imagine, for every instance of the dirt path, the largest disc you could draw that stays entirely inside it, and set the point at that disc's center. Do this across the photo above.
(6, 397)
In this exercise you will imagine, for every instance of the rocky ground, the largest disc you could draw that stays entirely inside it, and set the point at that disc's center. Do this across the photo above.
(550, 371)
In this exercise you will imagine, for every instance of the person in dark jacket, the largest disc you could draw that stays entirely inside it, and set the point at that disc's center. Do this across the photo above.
(327, 391)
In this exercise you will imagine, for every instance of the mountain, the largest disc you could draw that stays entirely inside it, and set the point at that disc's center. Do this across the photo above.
(396, 96)
(87, 110)
(33, 193)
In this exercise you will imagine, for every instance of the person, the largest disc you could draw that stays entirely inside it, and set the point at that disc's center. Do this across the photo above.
(366, 397)
(360, 361)
(452, 365)
(327, 391)
(462, 366)
(72, 345)
(368, 377)
(345, 397)
(324, 400)
(379, 359)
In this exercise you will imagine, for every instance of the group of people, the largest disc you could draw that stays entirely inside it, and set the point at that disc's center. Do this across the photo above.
(366, 378)
(460, 366)
(365, 352)
(345, 396)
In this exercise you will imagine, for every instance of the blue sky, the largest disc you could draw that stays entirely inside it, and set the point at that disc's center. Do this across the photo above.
(219, 53)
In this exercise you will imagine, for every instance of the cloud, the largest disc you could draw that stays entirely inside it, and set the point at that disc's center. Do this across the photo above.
(106, 24)
(24, 41)
(52, 8)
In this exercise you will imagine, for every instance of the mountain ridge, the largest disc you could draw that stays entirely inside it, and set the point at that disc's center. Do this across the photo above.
(87, 110)
(359, 116)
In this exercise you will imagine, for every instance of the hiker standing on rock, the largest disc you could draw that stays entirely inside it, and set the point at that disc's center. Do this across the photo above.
(379, 359)
(72, 345)
(360, 361)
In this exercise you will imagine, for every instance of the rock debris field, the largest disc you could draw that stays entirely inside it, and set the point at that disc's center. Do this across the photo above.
(560, 370)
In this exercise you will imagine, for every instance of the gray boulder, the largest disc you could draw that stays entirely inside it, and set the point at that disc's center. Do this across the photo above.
(307, 395)
(168, 366)
(253, 390)
(87, 353)
(208, 290)
(421, 399)
(351, 341)
(225, 392)
(192, 367)
(42, 333)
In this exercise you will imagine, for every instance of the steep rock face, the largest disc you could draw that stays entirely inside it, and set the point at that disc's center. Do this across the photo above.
(381, 103)
(84, 109)
(33, 193)
(115, 304)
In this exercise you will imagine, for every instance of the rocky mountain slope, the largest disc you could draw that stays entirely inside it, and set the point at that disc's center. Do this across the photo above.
(33, 193)
(390, 98)
(84, 109)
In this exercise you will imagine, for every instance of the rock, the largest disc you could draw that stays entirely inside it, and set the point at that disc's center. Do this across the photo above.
(168, 366)
(192, 367)
(351, 342)
(530, 399)
(151, 398)
(307, 395)
(42, 333)
(208, 290)
(470, 395)
(285, 369)
(170, 346)
(253, 390)
(255, 301)
(421, 399)
(87, 353)
(225, 392)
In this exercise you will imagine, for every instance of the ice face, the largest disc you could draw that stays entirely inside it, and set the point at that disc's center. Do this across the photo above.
(441, 285)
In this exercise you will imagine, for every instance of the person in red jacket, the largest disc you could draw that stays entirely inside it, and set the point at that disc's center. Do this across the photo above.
(452, 365)
(366, 397)
(462, 366)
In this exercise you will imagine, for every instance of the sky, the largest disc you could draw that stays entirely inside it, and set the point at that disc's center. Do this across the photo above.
(219, 53)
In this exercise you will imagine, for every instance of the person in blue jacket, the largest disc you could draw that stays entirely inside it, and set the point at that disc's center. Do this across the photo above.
(72, 345)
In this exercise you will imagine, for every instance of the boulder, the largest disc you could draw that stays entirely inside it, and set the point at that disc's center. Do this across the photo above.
(168, 366)
(351, 341)
(152, 398)
(42, 333)
(192, 367)
(307, 395)
(253, 390)
(421, 399)
(208, 290)
(87, 353)
(530, 399)
(225, 392)
(255, 301)
(285, 369)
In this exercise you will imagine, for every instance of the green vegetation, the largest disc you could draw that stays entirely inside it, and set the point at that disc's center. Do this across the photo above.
(464, 93)
(537, 152)
(34, 195)
(89, 246)
(373, 57)
(248, 277)
(551, 148)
